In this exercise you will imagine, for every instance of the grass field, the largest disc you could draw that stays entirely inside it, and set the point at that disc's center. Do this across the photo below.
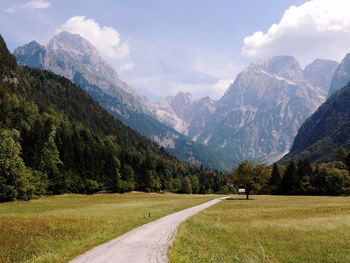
(267, 229)
(58, 228)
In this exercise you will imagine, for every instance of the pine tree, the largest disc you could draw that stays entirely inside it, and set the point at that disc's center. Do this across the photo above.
(116, 176)
(305, 175)
(347, 161)
(275, 180)
(49, 164)
(186, 187)
(290, 179)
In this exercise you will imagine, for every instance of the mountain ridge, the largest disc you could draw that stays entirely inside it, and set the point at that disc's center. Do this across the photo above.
(246, 113)
(324, 132)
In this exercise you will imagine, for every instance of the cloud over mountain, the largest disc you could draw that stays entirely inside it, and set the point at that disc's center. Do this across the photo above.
(106, 39)
(317, 28)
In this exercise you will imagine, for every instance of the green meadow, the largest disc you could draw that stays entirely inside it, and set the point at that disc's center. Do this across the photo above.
(58, 228)
(267, 229)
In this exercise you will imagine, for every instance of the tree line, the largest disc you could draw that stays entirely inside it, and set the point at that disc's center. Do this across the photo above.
(295, 178)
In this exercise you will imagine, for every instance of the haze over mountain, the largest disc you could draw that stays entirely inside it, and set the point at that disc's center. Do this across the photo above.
(75, 58)
(341, 76)
(328, 129)
(259, 115)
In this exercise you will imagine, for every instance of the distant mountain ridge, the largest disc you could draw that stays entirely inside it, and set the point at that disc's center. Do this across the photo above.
(261, 112)
(328, 129)
(341, 76)
(73, 57)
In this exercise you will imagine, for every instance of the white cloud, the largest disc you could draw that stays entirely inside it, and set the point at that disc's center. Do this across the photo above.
(35, 4)
(125, 67)
(317, 28)
(105, 38)
(220, 87)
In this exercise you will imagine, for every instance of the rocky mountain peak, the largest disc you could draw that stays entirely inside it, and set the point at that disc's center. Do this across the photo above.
(75, 58)
(341, 76)
(31, 54)
(180, 102)
(78, 47)
(319, 73)
(33, 45)
(283, 66)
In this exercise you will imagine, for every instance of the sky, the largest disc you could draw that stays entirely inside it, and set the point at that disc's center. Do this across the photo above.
(162, 47)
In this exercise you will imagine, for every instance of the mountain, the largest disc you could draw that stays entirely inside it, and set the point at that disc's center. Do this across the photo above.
(75, 58)
(341, 76)
(56, 139)
(328, 129)
(69, 54)
(261, 112)
(320, 72)
(183, 113)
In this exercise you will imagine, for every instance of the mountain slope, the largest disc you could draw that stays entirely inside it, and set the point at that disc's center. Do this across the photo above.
(321, 135)
(71, 144)
(262, 110)
(320, 72)
(75, 58)
(259, 115)
(341, 76)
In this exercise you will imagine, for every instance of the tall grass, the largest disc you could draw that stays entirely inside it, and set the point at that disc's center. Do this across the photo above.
(267, 229)
(58, 228)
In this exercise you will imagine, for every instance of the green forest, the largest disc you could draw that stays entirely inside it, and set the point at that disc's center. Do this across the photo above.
(295, 178)
(56, 139)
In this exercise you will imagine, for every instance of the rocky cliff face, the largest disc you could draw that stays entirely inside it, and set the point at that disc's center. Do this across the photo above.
(70, 55)
(325, 132)
(341, 76)
(185, 115)
(320, 72)
(260, 114)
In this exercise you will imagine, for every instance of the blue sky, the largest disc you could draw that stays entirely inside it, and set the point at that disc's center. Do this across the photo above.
(187, 45)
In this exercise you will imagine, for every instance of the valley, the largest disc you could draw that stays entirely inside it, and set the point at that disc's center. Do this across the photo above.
(175, 131)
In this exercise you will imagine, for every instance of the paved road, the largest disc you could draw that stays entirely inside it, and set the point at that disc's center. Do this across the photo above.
(148, 243)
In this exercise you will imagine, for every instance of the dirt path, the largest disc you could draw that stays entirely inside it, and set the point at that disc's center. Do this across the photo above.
(147, 243)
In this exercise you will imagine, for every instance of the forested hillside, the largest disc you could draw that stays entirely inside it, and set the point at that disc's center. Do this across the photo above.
(326, 133)
(56, 139)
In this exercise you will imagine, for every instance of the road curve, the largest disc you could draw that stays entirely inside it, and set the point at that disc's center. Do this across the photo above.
(147, 243)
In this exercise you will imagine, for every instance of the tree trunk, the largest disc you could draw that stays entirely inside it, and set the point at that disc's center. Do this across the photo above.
(247, 195)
